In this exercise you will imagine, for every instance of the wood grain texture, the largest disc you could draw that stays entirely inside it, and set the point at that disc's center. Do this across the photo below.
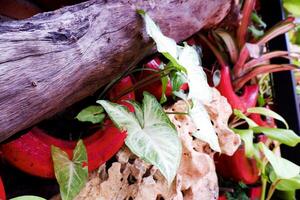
(54, 59)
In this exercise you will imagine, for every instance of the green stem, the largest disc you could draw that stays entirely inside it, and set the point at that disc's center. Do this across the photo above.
(264, 187)
(177, 113)
(272, 189)
(263, 179)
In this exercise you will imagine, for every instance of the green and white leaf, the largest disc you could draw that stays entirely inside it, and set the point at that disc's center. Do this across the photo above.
(157, 142)
(268, 113)
(205, 130)
(137, 111)
(177, 79)
(121, 117)
(164, 44)
(291, 184)
(241, 115)
(247, 137)
(71, 175)
(185, 57)
(93, 114)
(197, 80)
(284, 136)
(284, 169)
(28, 197)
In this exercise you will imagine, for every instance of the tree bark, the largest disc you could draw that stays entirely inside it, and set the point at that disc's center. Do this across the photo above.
(54, 59)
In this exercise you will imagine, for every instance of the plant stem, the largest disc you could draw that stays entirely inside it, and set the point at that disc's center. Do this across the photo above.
(177, 113)
(264, 187)
(272, 189)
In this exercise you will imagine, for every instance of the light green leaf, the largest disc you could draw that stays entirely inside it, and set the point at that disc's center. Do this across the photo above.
(71, 175)
(247, 137)
(28, 197)
(121, 117)
(138, 111)
(284, 169)
(291, 184)
(268, 113)
(177, 79)
(283, 136)
(205, 130)
(292, 6)
(164, 83)
(241, 115)
(156, 142)
(93, 114)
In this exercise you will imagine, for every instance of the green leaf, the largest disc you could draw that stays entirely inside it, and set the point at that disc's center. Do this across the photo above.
(287, 137)
(28, 197)
(185, 59)
(93, 114)
(291, 184)
(164, 83)
(257, 19)
(284, 169)
(292, 6)
(267, 112)
(156, 142)
(72, 174)
(205, 130)
(121, 117)
(247, 137)
(241, 115)
(138, 111)
(177, 79)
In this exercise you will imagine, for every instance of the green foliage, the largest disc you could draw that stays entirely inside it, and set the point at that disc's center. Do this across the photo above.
(93, 114)
(72, 174)
(151, 135)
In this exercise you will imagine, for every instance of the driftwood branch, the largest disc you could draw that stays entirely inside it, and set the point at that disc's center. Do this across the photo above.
(54, 59)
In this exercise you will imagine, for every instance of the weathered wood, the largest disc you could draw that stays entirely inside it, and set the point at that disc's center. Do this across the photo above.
(54, 59)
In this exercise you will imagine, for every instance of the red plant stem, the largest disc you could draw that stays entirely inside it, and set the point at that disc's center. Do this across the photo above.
(247, 100)
(239, 65)
(265, 57)
(215, 51)
(2, 191)
(246, 17)
(240, 82)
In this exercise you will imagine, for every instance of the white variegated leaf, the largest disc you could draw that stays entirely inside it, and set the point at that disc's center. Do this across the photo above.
(156, 142)
(205, 130)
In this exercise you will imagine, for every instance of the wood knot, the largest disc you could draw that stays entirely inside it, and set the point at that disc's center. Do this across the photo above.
(33, 83)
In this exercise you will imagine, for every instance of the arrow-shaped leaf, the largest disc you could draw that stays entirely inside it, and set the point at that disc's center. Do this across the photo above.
(156, 142)
(72, 174)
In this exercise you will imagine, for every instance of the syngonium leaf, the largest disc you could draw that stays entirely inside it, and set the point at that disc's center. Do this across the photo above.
(93, 114)
(156, 140)
(267, 112)
(241, 115)
(284, 136)
(284, 169)
(184, 58)
(291, 184)
(72, 174)
(247, 137)
(28, 197)
(205, 130)
(292, 6)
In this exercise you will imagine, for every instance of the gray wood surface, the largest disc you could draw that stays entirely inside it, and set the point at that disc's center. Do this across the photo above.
(54, 59)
